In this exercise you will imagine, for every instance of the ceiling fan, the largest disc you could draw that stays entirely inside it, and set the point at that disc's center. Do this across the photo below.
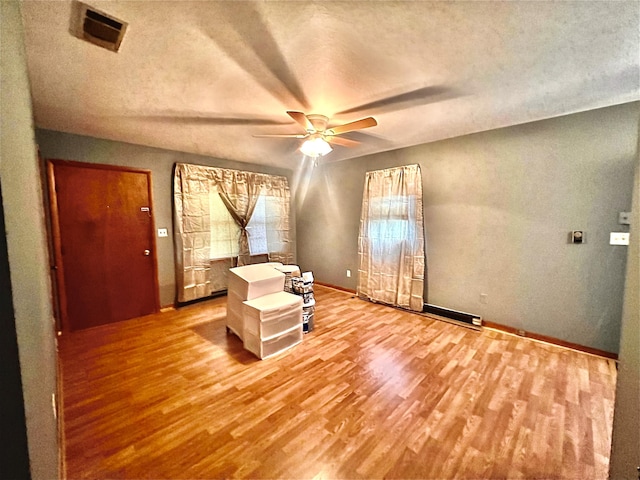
(318, 137)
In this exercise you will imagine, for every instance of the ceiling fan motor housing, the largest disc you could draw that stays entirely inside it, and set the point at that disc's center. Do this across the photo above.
(319, 122)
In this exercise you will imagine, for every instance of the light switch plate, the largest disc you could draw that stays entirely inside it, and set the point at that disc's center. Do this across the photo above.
(618, 238)
(162, 232)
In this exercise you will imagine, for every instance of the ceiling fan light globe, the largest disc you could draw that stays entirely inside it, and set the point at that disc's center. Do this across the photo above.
(315, 147)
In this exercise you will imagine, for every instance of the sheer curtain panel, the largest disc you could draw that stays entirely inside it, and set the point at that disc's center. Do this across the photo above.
(391, 239)
(203, 231)
(274, 225)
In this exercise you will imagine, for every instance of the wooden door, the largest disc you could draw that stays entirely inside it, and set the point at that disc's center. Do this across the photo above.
(104, 243)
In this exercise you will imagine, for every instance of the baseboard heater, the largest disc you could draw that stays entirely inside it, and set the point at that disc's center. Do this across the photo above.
(463, 318)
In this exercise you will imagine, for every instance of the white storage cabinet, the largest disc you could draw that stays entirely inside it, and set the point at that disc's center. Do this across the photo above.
(272, 323)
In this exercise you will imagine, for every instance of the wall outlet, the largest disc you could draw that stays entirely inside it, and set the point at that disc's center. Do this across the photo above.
(484, 298)
(162, 232)
(522, 333)
(618, 238)
(348, 273)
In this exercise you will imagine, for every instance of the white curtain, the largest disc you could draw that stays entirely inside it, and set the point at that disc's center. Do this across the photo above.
(270, 231)
(197, 216)
(391, 238)
(224, 230)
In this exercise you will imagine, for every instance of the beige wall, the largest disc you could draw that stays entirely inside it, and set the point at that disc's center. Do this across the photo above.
(498, 208)
(26, 244)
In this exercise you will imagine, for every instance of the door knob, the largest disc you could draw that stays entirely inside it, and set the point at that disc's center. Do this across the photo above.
(147, 253)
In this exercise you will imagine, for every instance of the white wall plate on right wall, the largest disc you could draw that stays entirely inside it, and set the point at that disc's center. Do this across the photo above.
(618, 238)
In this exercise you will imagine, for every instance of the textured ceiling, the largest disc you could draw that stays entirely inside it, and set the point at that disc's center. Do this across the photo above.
(204, 77)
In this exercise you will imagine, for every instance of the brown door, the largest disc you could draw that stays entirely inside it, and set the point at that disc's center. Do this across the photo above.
(104, 243)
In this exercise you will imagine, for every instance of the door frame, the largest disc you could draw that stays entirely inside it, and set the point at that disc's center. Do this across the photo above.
(58, 266)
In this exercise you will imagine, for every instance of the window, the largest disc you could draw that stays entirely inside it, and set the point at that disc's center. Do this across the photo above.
(267, 225)
(390, 225)
(391, 238)
(257, 229)
(209, 203)
(264, 228)
(224, 230)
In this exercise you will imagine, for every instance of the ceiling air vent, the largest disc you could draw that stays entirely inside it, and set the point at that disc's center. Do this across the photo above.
(97, 27)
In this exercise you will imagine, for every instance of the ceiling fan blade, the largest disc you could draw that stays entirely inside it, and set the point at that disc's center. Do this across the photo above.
(283, 135)
(343, 142)
(357, 125)
(419, 96)
(302, 119)
(244, 25)
(369, 139)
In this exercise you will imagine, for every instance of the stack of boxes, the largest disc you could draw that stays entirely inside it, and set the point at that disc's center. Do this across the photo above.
(289, 271)
(267, 319)
(303, 286)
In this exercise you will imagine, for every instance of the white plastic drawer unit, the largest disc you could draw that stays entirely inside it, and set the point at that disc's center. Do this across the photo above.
(235, 322)
(270, 315)
(245, 283)
(266, 348)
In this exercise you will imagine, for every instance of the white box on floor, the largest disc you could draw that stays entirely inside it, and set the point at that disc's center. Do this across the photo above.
(246, 283)
(271, 315)
(252, 281)
(272, 264)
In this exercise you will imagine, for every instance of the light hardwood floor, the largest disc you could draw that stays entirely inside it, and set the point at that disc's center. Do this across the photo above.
(372, 392)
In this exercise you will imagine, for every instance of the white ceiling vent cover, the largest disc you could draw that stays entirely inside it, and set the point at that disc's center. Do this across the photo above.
(94, 26)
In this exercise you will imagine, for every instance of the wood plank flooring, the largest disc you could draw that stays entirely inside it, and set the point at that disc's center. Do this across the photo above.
(372, 392)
